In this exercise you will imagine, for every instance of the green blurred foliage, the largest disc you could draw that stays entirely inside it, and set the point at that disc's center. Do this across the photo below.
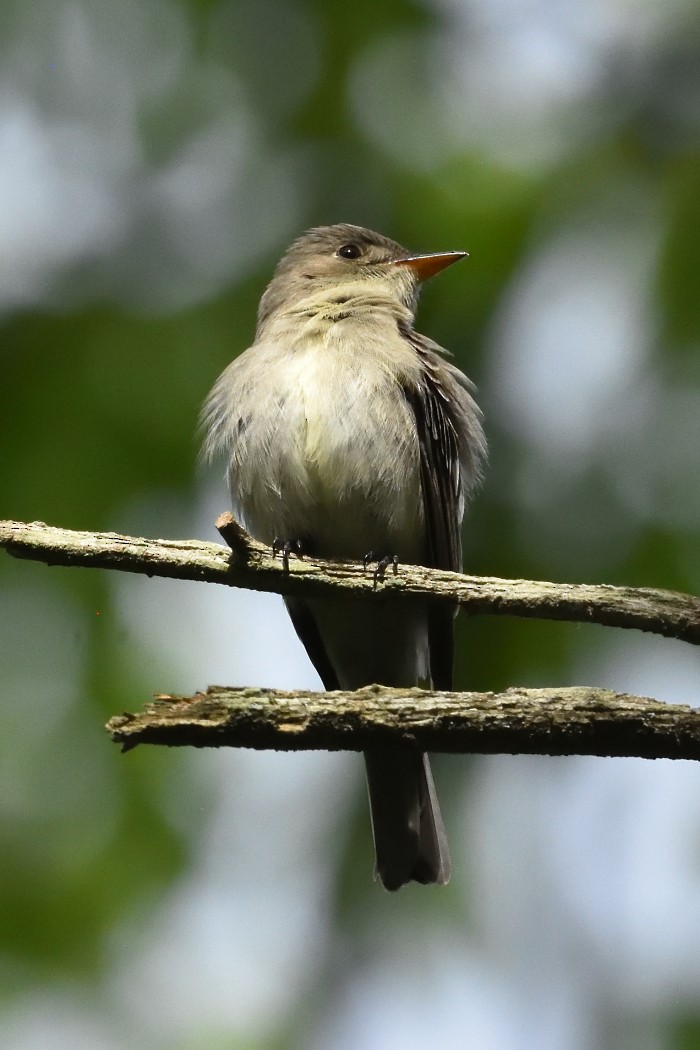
(686, 1034)
(99, 409)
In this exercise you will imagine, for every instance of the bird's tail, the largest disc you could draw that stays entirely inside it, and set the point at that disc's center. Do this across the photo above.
(409, 835)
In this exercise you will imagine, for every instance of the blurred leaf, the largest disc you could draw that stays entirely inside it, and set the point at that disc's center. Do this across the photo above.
(680, 262)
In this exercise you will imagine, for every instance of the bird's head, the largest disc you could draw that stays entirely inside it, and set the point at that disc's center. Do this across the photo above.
(349, 262)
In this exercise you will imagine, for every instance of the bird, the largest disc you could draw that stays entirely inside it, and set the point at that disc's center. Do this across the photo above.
(348, 435)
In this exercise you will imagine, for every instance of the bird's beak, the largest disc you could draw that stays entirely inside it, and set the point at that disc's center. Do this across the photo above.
(425, 266)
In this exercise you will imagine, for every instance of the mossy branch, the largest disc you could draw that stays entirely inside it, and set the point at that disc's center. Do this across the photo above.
(246, 563)
(544, 721)
(579, 721)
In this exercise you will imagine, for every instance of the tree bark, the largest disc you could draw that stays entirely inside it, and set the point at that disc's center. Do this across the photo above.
(553, 721)
(556, 721)
(251, 565)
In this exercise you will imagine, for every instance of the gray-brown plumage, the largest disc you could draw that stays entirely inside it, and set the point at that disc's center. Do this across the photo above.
(347, 430)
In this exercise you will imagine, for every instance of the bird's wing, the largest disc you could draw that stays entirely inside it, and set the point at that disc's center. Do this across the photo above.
(449, 437)
(432, 400)
(310, 637)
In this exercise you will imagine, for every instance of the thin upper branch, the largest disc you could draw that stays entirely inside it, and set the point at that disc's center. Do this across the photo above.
(554, 721)
(250, 564)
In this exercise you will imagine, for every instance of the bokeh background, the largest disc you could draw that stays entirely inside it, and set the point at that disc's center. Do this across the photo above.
(155, 160)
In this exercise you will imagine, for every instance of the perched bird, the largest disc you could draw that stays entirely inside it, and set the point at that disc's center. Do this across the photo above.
(346, 433)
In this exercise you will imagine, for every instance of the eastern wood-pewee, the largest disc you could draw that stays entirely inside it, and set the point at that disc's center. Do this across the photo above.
(348, 432)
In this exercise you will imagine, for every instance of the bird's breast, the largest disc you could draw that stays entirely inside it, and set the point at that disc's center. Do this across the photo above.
(338, 461)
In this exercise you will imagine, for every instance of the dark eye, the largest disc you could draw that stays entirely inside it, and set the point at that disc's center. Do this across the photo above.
(349, 251)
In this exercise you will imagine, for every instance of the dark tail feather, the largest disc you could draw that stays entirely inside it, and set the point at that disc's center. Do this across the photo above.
(409, 836)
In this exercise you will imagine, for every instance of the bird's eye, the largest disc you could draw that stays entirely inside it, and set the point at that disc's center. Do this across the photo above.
(349, 251)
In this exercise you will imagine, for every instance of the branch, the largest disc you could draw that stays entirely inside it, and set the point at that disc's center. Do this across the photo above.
(570, 721)
(541, 721)
(250, 564)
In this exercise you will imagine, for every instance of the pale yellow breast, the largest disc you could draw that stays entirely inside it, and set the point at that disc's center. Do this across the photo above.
(360, 448)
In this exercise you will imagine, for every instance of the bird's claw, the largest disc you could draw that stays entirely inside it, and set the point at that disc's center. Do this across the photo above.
(381, 566)
(285, 548)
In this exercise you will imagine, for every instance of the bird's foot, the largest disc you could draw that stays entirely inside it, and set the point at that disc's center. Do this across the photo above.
(285, 548)
(381, 566)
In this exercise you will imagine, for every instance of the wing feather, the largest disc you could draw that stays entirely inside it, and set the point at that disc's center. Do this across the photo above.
(452, 447)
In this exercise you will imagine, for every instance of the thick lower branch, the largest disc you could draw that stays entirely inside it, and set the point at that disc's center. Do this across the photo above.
(568, 721)
(250, 564)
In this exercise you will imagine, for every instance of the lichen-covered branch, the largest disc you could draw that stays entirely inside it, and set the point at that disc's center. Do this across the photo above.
(246, 563)
(543, 721)
(554, 721)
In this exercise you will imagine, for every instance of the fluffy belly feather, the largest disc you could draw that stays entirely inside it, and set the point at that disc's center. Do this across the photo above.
(338, 466)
